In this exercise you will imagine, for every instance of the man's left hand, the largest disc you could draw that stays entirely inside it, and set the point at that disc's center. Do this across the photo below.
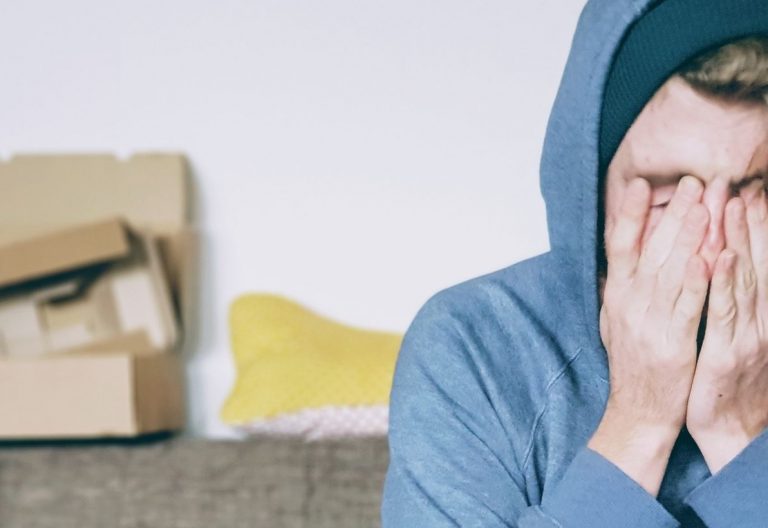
(728, 403)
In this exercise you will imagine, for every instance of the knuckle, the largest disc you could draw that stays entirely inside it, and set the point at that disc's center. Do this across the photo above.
(748, 280)
(724, 312)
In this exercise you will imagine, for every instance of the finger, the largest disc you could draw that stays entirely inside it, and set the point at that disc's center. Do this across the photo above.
(689, 305)
(737, 240)
(721, 314)
(623, 242)
(757, 220)
(659, 246)
(674, 271)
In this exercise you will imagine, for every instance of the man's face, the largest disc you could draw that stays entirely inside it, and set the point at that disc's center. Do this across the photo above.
(680, 131)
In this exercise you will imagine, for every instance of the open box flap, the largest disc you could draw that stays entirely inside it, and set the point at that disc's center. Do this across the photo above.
(63, 250)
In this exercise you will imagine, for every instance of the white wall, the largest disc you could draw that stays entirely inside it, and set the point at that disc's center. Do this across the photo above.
(356, 156)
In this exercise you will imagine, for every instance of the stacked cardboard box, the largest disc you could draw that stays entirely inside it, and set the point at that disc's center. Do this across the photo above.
(96, 275)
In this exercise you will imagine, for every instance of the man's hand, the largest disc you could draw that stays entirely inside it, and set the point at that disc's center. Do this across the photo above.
(651, 310)
(728, 405)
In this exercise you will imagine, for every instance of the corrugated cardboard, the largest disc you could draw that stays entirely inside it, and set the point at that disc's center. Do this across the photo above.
(120, 386)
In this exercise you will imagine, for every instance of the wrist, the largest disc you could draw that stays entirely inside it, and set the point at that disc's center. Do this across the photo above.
(640, 451)
(719, 448)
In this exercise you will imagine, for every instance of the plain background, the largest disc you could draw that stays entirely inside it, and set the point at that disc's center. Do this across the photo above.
(354, 156)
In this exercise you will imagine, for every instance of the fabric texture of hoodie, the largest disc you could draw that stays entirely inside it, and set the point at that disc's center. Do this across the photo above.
(502, 379)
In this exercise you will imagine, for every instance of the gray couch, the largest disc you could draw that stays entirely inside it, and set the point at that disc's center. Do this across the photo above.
(183, 482)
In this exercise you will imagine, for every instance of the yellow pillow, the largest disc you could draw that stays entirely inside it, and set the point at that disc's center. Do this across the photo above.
(302, 373)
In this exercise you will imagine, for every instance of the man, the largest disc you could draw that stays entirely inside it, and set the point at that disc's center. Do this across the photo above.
(630, 389)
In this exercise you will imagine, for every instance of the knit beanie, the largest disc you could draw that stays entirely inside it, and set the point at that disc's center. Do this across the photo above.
(657, 45)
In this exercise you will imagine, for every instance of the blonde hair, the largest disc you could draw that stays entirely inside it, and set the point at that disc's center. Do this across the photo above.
(736, 71)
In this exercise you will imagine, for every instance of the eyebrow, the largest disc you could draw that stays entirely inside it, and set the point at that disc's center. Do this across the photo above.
(658, 179)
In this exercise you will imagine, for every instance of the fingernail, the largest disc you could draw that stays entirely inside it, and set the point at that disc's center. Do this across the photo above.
(689, 184)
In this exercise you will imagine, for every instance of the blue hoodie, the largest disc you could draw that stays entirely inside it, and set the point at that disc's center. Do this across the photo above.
(502, 379)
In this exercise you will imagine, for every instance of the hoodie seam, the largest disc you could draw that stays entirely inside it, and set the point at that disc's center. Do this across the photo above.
(537, 420)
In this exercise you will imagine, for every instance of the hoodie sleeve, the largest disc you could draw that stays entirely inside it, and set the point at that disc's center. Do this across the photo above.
(452, 462)
(736, 495)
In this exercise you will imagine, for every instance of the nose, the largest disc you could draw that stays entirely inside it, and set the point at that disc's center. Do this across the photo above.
(716, 196)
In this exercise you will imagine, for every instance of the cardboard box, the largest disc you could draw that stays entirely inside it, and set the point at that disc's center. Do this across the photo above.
(82, 286)
(98, 253)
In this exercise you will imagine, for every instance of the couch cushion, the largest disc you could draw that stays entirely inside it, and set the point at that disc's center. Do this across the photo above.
(190, 483)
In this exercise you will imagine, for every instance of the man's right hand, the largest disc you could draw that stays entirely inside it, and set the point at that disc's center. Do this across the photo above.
(652, 305)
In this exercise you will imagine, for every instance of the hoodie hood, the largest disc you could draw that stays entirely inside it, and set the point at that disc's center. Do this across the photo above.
(570, 163)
